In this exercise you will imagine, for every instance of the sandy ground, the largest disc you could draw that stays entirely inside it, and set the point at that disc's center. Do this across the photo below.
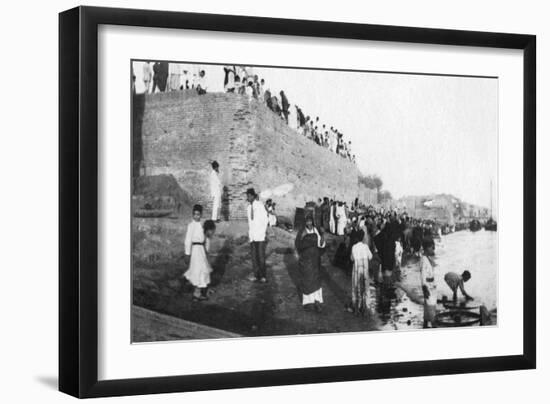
(243, 307)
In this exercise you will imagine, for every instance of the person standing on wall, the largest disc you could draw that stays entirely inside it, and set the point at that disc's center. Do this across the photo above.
(185, 78)
(215, 190)
(257, 228)
(284, 105)
(229, 79)
(147, 76)
(201, 84)
(161, 76)
(261, 90)
(174, 77)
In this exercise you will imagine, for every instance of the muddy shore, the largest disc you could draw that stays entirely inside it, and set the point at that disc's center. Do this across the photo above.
(244, 308)
(236, 304)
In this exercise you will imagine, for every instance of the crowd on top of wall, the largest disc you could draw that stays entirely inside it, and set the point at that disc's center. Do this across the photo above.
(164, 76)
(330, 138)
(240, 80)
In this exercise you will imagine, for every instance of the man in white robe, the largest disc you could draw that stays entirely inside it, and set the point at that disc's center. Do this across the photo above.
(342, 219)
(332, 222)
(147, 76)
(174, 76)
(201, 83)
(215, 190)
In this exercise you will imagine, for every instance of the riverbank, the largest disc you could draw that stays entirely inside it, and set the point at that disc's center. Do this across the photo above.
(237, 305)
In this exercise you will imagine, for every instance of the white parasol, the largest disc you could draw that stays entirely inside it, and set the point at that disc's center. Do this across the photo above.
(280, 190)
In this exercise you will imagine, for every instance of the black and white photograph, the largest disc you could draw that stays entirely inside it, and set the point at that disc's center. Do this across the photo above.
(281, 201)
(275, 202)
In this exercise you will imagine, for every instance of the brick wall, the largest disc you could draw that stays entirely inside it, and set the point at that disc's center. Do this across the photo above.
(180, 133)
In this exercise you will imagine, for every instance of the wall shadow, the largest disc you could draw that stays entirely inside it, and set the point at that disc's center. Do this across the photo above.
(138, 108)
(291, 265)
(220, 263)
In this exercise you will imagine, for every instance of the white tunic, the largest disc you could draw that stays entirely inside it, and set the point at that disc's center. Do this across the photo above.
(331, 221)
(215, 184)
(147, 72)
(196, 245)
(342, 220)
(257, 222)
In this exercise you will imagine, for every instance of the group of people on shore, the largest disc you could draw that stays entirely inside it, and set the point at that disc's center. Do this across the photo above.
(372, 243)
(197, 244)
(372, 248)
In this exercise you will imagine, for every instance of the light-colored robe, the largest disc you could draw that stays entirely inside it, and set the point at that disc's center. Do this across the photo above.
(342, 220)
(331, 221)
(196, 245)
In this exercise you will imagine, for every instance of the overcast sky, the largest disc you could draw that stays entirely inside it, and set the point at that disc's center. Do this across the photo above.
(421, 134)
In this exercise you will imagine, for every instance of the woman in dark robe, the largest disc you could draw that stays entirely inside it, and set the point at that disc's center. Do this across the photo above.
(416, 240)
(309, 245)
(325, 211)
(379, 241)
(391, 236)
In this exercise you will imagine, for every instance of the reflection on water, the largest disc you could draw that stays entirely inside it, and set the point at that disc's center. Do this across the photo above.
(456, 252)
(394, 309)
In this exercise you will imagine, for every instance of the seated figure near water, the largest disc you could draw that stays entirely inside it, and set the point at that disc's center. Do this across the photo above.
(309, 245)
(456, 281)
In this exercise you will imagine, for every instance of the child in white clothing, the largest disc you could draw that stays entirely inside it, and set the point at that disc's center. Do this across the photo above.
(197, 244)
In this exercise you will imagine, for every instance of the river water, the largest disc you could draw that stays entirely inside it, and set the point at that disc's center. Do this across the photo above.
(455, 252)
(478, 253)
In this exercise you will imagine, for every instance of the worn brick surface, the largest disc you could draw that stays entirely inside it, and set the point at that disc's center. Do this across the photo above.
(181, 133)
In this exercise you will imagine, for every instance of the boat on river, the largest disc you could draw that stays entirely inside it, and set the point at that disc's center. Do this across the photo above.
(491, 225)
(475, 225)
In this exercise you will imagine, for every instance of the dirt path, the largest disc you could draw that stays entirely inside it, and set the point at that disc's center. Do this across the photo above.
(243, 307)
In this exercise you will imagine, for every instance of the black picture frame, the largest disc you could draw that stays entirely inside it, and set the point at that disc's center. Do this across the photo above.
(78, 200)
